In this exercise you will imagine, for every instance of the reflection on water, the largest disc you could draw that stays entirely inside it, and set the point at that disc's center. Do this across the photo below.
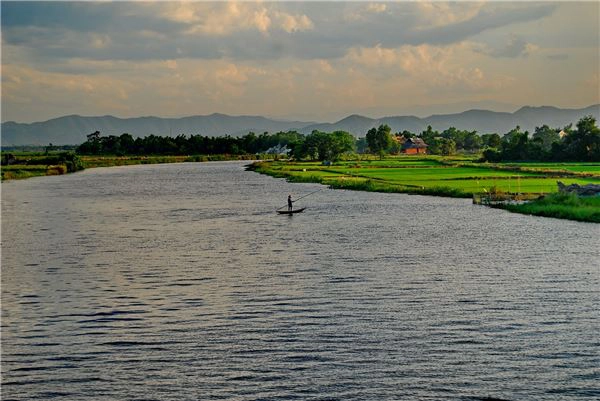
(174, 282)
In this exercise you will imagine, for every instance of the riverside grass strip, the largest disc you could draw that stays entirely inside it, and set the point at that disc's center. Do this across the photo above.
(22, 171)
(449, 177)
(31, 164)
(561, 206)
(113, 161)
(433, 175)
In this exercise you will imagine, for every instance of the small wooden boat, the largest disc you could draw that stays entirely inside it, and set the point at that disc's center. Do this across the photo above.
(291, 211)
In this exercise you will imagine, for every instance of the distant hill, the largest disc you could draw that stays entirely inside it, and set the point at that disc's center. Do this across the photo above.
(70, 130)
(73, 129)
(482, 121)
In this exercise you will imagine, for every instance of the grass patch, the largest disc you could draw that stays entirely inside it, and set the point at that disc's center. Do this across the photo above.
(22, 171)
(382, 186)
(432, 176)
(561, 206)
(113, 161)
(450, 177)
(32, 164)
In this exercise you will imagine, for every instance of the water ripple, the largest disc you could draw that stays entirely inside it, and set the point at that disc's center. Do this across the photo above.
(180, 282)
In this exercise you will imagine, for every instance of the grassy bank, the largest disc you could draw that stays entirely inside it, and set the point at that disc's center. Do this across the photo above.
(561, 206)
(20, 165)
(112, 161)
(449, 177)
(18, 172)
(31, 164)
(432, 175)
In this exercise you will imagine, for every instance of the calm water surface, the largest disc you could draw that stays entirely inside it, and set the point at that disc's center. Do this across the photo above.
(180, 282)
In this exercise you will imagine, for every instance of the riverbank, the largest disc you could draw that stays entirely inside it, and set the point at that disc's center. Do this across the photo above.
(560, 206)
(21, 165)
(450, 177)
(112, 161)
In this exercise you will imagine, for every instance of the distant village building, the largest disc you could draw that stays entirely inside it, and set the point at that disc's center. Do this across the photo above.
(279, 149)
(412, 146)
(562, 133)
(399, 138)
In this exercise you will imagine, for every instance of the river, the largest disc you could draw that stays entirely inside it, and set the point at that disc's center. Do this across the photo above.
(180, 282)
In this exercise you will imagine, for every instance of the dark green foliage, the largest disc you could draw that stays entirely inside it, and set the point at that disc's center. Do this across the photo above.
(379, 140)
(545, 137)
(492, 155)
(490, 140)
(441, 146)
(30, 164)
(428, 135)
(125, 144)
(584, 142)
(361, 145)
(70, 160)
(324, 146)
(581, 144)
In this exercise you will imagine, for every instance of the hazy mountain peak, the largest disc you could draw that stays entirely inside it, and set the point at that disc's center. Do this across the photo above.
(354, 117)
(73, 129)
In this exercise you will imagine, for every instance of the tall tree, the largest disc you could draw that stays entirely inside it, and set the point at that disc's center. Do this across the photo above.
(584, 142)
(379, 140)
(491, 140)
(545, 136)
(341, 142)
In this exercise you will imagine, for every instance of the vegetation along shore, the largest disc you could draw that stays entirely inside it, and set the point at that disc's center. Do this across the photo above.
(516, 167)
(460, 177)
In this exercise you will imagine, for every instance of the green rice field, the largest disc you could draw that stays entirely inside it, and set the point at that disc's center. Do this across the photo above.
(429, 174)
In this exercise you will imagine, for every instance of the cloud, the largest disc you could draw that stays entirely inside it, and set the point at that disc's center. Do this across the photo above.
(493, 16)
(376, 7)
(279, 58)
(516, 47)
(433, 67)
(362, 12)
(374, 56)
(291, 23)
(438, 14)
(62, 93)
(222, 19)
(561, 56)
(593, 81)
(246, 31)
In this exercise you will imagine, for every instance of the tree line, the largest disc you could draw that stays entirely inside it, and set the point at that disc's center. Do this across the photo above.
(125, 144)
(581, 143)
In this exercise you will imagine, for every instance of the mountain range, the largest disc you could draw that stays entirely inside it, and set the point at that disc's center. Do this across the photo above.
(70, 130)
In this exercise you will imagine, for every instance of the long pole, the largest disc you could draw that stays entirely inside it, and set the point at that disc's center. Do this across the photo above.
(320, 189)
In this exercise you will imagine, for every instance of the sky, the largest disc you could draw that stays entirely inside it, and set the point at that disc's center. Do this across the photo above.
(311, 61)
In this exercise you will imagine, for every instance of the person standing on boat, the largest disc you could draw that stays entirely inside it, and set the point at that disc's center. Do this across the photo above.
(290, 202)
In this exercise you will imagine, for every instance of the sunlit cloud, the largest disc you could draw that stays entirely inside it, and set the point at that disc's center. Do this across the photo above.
(433, 67)
(441, 13)
(221, 19)
(291, 58)
(516, 47)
